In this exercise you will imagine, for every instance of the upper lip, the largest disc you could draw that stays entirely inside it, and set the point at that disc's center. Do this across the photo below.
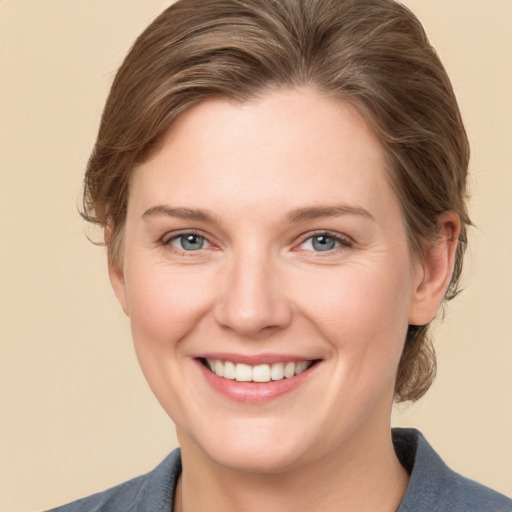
(256, 359)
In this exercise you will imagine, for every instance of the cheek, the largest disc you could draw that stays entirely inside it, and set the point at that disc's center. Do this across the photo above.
(357, 299)
(164, 304)
(363, 314)
(165, 307)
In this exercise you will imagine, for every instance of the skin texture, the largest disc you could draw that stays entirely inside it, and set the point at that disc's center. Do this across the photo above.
(258, 287)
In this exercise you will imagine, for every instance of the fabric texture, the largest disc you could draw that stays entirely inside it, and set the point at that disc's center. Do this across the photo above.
(433, 487)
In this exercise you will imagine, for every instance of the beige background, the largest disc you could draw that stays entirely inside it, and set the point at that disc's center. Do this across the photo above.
(76, 414)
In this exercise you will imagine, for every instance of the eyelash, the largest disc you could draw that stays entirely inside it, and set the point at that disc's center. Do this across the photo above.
(167, 242)
(343, 241)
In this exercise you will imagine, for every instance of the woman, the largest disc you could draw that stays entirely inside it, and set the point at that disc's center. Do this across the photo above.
(282, 186)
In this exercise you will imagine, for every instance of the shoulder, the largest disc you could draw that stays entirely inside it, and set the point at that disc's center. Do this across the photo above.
(153, 492)
(434, 487)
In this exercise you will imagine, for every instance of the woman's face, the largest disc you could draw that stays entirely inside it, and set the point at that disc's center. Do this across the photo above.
(263, 239)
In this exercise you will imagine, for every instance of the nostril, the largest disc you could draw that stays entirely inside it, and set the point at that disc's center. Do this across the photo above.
(259, 318)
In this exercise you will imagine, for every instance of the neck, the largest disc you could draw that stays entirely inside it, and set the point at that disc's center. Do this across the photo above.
(361, 475)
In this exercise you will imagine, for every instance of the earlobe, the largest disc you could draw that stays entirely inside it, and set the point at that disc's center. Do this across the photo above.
(434, 273)
(116, 273)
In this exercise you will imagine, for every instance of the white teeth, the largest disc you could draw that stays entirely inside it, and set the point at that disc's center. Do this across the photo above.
(219, 368)
(229, 370)
(301, 366)
(259, 373)
(277, 371)
(243, 373)
(289, 370)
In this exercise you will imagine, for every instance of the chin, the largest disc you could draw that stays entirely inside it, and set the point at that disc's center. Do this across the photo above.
(252, 450)
(255, 460)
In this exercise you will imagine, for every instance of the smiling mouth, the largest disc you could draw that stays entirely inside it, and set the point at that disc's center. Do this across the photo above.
(258, 373)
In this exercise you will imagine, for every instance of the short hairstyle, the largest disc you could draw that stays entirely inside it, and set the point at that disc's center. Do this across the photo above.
(373, 54)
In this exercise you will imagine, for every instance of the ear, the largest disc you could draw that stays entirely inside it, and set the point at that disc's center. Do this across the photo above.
(434, 272)
(115, 272)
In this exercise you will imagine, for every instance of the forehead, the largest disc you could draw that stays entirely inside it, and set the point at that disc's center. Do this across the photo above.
(286, 148)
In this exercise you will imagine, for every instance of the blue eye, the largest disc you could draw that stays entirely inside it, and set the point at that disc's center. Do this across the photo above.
(188, 242)
(323, 242)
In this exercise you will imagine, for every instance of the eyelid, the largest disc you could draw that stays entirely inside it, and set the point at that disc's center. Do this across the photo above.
(170, 236)
(343, 240)
(167, 238)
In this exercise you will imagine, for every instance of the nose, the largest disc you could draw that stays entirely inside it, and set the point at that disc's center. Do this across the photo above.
(252, 299)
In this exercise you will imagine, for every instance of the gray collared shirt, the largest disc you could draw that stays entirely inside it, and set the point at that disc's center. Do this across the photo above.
(433, 486)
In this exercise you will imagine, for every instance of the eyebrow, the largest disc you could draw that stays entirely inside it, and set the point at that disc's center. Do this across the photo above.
(304, 214)
(297, 215)
(182, 213)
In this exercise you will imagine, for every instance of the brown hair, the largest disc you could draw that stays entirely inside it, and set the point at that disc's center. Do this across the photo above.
(373, 54)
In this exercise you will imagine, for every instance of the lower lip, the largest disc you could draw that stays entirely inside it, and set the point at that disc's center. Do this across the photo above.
(255, 392)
